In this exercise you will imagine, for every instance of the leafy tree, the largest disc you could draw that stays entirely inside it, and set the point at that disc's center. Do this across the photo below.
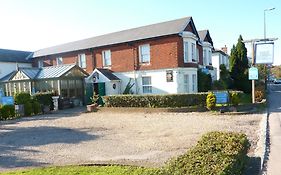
(204, 81)
(239, 66)
(225, 78)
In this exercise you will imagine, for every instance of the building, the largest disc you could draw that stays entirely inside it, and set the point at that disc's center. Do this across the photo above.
(220, 57)
(11, 59)
(160, 58)
(208, 47)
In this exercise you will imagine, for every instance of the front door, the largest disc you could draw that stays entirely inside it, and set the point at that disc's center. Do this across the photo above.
(99, 89)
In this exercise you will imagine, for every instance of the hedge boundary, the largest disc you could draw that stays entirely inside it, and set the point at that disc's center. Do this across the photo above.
(156, 101)
(215, 153)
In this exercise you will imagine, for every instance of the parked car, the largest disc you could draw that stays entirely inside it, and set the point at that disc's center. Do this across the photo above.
(277, 81)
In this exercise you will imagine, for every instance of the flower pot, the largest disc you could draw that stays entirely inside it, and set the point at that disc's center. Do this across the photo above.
(92, 107)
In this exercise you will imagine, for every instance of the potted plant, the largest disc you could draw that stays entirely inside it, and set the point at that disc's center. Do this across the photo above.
(93, 106)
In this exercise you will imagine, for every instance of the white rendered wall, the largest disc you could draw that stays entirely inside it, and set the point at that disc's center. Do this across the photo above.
(158, 80)
(216, 64)
(8, 67)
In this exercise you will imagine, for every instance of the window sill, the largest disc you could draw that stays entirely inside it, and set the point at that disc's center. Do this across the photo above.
(144, 64)
(107, 67)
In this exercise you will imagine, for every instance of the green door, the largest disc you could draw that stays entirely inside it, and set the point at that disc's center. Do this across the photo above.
(89, 93)
(101, 90)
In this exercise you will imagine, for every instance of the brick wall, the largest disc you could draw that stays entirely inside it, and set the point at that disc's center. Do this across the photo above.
(165, 52)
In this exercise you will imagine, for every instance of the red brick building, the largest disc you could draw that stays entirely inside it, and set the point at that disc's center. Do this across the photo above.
(159, 58)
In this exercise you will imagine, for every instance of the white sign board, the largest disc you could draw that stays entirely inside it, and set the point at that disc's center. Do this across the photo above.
(253, 73)
(264, 53)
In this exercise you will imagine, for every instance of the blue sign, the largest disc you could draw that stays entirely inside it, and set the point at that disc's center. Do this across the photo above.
(253, 73)
(221, 97)
(7, 100)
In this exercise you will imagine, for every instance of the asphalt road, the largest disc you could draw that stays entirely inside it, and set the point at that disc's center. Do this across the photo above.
(274, 101)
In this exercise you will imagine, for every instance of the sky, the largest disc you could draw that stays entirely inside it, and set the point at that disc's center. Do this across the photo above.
(35, 24)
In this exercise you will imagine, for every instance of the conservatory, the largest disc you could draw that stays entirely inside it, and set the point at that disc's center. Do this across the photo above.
(66, 81)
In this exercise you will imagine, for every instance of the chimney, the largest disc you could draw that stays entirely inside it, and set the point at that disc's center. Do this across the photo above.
(224, 49)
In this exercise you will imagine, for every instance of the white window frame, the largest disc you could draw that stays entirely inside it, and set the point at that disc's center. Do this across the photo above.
(146, 85)
(194, 80)
(105, 63)
(210, 57)
(185, 51)
(205, 62)
(82, 63)
(193, 52)
(40, 63)
(141, 55)
(197, 54)
(59, 61)
(186, 83)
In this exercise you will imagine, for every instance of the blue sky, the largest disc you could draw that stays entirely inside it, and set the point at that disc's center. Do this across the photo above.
(35, 24)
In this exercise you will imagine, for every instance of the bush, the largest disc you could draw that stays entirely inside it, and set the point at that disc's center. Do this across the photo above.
(216, 153)
(44, 98)
(211, 101)
(22, 98)
(234, 98)
(36, 107)
(259, 96)
(28, 110)
(7, 112)
(204, 81)
(155, 101)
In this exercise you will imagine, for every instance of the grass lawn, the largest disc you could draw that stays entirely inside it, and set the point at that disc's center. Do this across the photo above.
(87, 170)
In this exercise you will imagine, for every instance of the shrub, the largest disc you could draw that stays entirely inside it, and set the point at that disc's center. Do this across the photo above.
(155, 101)
(28, 110)
(7, 112)
(211, 101)
(36, 107)
(204, 81)
(234, 98)
(22, 98)
(216, 153)
(44, 98)
(259, 96)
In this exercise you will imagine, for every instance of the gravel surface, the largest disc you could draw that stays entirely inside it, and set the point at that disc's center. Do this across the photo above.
(147, 139)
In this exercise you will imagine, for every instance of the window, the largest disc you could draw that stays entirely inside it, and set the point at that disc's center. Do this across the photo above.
(146, 85)
(40, 63)
(194, 82)
(82, 60)
(193, 52)
(185, 50)
(210, 57)
(169, 76)
(144, 53)
(204, 57)
(106, 56)
(186, 83)
(59, 61)
(197, 54)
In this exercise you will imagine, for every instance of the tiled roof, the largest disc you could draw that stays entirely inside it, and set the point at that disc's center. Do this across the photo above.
(202, 34)
(7, 55)
(108, 73)
(145, 32)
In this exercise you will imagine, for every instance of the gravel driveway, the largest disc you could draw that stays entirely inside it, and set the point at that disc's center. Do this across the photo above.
(148, 139)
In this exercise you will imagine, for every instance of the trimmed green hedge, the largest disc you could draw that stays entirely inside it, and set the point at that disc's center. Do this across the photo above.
(223, 153)
(155, 101)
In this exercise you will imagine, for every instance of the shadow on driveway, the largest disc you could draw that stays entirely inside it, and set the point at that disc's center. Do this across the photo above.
(15, 142)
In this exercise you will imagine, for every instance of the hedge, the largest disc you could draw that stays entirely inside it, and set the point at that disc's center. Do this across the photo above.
(155, 101)
(7, 112)
(223, 153)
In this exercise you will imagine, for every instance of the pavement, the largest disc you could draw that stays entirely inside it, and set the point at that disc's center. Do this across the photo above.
(274, 158)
